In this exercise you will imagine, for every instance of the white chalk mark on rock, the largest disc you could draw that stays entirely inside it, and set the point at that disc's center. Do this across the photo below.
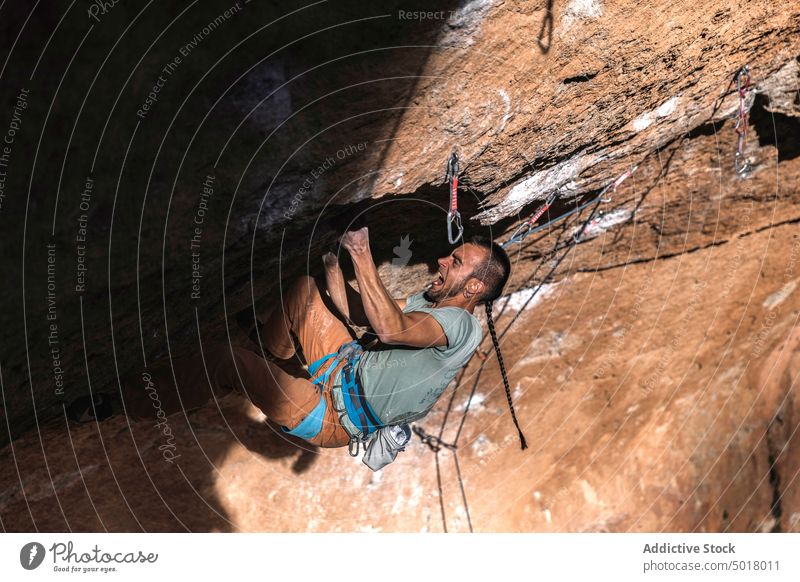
(603, 222)
(581, 10)
(522, 299)
(645, 120)
(780, 296)
(538, 186)
(464, 23)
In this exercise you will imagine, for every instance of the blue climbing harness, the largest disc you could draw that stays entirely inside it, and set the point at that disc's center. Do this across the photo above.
(356, 407)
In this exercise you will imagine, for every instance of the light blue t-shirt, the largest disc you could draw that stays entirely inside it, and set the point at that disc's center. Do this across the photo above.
(403, 383)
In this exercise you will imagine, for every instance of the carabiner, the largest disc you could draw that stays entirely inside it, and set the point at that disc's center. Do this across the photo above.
(350, 351)
(741, 164)
(451, 170)
(357, 443)
(519, 234)
(524, 228)
(743, 72)
(454, 216)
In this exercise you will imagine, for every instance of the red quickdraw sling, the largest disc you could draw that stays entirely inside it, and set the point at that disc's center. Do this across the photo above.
(453, 216)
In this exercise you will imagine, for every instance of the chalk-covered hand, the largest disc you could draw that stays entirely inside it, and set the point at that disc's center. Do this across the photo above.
(356, 241)
(330, 260)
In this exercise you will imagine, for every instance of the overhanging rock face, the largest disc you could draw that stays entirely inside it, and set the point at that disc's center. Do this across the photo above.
(609, 92)
(278, 128)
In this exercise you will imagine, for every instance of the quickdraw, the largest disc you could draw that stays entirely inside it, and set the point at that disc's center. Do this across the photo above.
(526, 229)
(453, 216)
(741, 163)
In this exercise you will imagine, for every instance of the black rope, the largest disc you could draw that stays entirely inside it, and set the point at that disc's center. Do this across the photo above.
(441, 494)
(490, 324)
(538, 288)
(450, 403)
(463, 492)
(543, 259)
(435, 443)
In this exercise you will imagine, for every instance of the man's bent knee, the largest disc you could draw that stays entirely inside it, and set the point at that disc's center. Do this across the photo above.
(302, 293)
(303, 285)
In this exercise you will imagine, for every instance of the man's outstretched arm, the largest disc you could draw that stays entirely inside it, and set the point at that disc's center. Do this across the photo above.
(346, 299)
(386, 317)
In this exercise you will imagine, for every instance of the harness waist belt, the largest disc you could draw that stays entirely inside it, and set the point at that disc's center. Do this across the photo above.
(356, 415)
(358, 409)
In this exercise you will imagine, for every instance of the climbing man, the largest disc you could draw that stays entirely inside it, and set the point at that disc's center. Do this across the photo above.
(347, 393)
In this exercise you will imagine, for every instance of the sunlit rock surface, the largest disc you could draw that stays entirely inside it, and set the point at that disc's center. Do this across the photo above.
(654, 375)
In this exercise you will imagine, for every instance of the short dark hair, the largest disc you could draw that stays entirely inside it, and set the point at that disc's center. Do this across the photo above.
(494, 271)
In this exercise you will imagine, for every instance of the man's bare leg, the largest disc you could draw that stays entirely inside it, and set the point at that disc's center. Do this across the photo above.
(305, 316)
(215, 372)
(284, 398)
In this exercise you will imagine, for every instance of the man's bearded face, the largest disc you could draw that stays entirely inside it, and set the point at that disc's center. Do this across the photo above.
(454, 272)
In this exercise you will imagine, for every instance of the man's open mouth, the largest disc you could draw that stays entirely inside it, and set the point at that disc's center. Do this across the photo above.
(438, 282)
